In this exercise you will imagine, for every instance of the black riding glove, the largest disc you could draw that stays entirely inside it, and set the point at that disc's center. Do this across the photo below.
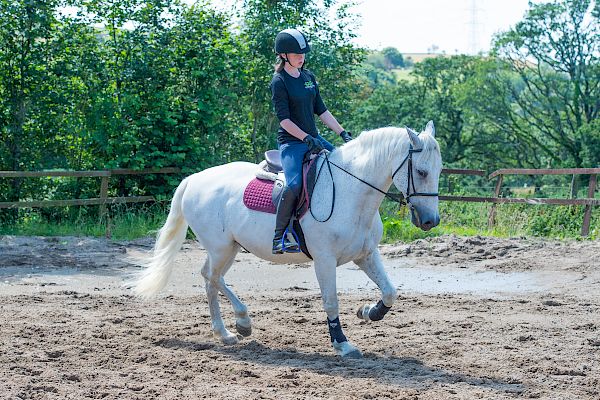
(346, 136)
(314, 144)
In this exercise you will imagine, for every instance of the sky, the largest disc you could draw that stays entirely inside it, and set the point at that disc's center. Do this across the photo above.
(416, 26)
(422, 26)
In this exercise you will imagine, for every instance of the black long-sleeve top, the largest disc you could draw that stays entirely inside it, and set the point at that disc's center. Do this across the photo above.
(297, 99)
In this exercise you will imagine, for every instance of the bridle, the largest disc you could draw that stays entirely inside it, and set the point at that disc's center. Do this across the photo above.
(411, 179)
(396, 197)
(411, 182)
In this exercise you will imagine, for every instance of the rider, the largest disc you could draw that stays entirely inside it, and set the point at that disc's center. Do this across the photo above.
(296, 97)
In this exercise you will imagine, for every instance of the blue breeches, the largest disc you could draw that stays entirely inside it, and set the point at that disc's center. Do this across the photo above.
(292, 155)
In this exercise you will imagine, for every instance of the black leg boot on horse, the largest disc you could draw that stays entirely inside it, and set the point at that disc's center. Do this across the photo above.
(285, 208)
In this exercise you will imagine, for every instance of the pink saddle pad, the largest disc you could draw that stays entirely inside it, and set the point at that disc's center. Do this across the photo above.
(258, 196)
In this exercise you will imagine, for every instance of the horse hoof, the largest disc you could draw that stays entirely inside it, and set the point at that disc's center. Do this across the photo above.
(354, 354)
(363, 313)
(359, 313)
(229, 339)
(242, 330)
(346, 350)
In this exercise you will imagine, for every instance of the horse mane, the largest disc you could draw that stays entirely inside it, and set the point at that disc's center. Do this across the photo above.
(385, 144)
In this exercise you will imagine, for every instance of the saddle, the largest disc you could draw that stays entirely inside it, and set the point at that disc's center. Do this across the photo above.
(263, 192)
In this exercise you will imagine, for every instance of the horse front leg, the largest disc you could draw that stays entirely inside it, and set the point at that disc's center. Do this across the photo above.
(325, 270)
(373, 267)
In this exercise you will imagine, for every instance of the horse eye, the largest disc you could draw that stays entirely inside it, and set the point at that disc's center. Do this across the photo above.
(422, 174)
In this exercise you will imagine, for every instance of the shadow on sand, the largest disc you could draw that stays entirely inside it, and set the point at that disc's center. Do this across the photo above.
(401, 371)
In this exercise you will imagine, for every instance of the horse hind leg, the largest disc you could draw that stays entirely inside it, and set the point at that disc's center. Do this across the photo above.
(243, 323)
(215, 267)
(373, 267)
(212, 274)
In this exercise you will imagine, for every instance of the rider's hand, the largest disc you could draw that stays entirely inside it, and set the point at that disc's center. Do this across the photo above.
(314, 144)
(346, 136)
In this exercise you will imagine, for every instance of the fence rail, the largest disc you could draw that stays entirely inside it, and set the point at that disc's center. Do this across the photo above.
(588, 202)
(495, 199)
(103, 198)
(556, 171)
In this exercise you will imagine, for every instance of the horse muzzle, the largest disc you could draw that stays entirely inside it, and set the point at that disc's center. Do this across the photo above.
(423, 220)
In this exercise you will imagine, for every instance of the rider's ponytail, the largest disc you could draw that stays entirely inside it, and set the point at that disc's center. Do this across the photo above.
(279, 64)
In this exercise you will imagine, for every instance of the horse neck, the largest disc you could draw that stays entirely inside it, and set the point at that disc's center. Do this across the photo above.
(373, 165)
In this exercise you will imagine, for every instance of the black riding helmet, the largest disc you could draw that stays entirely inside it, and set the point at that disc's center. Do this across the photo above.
(291, 41)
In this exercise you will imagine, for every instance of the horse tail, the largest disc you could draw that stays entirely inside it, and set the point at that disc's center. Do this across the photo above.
(159, 263)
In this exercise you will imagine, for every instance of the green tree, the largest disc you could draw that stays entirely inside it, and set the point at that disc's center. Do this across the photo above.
(172, 93)
(391, 104)
(487, 119)
(471, 121)
(393, 58)
(48, 74)
(25, 30)
(590, 134)
(376, 59)
(442, 79)
(555, 53)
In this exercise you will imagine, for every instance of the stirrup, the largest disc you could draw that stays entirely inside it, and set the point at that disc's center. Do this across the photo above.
(284, 245)
(293, 247)
(280, 247)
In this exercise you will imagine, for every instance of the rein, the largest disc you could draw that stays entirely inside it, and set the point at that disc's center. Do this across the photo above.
(396, 197)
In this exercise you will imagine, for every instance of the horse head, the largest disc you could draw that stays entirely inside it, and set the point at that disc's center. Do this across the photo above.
(417, 176)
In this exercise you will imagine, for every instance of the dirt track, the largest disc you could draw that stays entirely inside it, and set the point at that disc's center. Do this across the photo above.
(476, 318)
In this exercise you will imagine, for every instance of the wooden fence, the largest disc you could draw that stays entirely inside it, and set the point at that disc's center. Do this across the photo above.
(103, 198)
(589, 202)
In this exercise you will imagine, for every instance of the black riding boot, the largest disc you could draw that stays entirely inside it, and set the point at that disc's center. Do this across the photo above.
(285, 208)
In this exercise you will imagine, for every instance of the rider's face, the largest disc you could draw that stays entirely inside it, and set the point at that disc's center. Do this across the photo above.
(295, 60)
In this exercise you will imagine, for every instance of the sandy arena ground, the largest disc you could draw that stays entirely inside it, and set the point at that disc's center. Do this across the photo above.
(477, 318)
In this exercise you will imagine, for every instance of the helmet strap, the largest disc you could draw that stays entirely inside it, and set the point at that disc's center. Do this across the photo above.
(288, 61)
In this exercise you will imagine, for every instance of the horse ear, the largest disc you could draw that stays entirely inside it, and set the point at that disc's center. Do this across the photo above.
(430, 128)
(414, 138)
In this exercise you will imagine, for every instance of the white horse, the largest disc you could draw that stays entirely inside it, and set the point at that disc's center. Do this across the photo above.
(210, 202)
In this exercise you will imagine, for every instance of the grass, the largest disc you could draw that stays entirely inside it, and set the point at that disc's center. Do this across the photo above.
(469, 219)
(125, 222)
(129, 222)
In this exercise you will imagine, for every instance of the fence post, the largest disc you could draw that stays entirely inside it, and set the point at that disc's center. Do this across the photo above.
(587, 216)
(492, 215)
(103, 207)
(573, 188)
(103, 195)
